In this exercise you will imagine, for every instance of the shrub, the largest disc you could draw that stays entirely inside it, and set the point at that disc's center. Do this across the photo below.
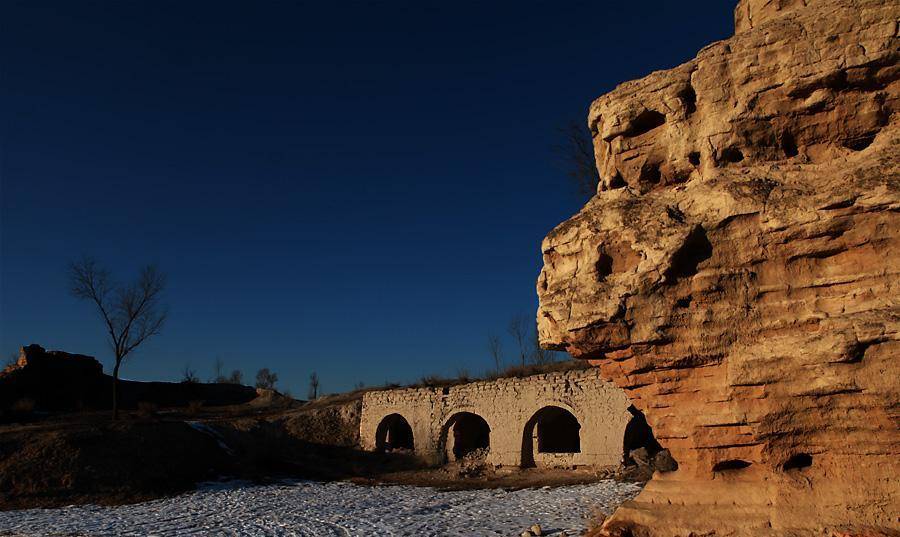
(146, 409)
(24, 406)
(194, 406)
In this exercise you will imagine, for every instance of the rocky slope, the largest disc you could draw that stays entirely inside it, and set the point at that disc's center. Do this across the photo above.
(737, 273)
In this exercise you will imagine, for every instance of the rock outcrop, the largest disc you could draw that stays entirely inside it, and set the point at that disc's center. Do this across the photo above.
(737, 273)
(59, 381)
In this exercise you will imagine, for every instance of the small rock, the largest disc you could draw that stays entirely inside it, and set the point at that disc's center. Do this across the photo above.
(526, 533)
(536, 530)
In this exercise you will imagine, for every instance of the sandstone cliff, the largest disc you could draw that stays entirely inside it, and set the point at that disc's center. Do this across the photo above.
(737, 273)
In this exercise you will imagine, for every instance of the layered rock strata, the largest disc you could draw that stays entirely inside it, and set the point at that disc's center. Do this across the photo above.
(737, 273)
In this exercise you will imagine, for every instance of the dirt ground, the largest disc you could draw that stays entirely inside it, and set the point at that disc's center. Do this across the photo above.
(85, 457)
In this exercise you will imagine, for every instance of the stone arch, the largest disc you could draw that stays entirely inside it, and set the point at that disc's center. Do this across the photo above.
(463, 433)
(552, 429)
(394, 433)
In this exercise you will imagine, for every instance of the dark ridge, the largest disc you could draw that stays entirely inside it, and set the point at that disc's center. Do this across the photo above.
(843, 204)
(731, 154)
(694, 158)
(789, 145)
(695, 250)
(645, 122)
(798, 461)
(731, 464)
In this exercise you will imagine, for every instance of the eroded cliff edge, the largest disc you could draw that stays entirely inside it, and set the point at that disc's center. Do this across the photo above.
(737, 273)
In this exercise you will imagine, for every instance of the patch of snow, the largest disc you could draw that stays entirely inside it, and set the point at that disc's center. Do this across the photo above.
(302, 508)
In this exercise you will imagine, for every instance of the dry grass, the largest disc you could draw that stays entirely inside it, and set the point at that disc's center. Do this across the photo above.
(146, 409)
(24, 406)
(194, 406)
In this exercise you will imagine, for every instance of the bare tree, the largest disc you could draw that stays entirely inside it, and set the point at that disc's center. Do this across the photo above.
(496, 350)
(188, 375)
(266, 379)
(539, 356)
(576, 151)
(313, 386)
(132, 313)
(218, 371)
(236, 377)
(518, 329)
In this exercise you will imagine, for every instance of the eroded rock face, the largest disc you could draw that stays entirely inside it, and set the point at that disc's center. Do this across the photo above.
(737, 273)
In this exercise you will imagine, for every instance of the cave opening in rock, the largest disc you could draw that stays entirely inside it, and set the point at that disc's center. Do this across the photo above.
(731, 464)
(393, 433)
(617, 181)
(645, 122)
(689, 99)
(789, 145)
(650, 173)
(859, 143)
(466, 433)
(695, 250)
(604, 266)
(798, 461)
(638, 434)
(550, 430)
(731, 154)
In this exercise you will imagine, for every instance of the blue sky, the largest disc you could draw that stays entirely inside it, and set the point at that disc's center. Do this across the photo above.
(355, 188)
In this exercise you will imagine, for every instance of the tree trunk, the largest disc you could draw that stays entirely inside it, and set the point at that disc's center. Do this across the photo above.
(115, 393)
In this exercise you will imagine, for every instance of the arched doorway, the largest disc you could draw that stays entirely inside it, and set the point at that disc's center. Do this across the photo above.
(465, 433)
(394, 433)
(551, 430)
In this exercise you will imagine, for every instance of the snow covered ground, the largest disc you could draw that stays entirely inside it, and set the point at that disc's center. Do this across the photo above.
(324, 509)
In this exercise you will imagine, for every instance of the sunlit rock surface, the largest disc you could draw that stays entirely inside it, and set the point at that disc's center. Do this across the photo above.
(737, 273)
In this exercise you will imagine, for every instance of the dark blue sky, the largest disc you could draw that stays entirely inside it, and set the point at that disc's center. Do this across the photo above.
(354, 188)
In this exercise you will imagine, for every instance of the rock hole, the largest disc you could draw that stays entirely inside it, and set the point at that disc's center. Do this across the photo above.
(604, 266)
(798, 461)
(679, 177)
(638, 434)
(684, 302)
(445, 390)
(675, 213)
(731, 154)
(689, 99)
(731, 464)
(617, 181)
(695, 250)
(645, 122)
(789, 145)
(859, 143)
(650, 173)
(694, 158)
